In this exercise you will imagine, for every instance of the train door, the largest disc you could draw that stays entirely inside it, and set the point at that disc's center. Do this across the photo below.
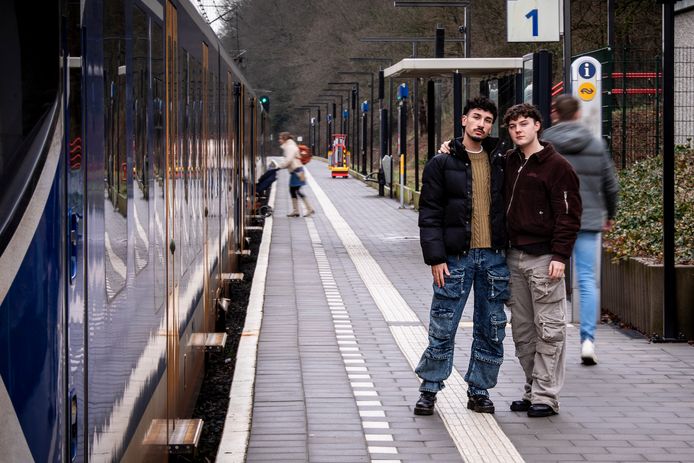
(172, 174)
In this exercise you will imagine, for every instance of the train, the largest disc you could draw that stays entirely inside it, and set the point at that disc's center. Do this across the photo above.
(130, 144)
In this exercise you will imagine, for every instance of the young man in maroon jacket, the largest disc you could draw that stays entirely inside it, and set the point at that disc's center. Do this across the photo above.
(543, 216)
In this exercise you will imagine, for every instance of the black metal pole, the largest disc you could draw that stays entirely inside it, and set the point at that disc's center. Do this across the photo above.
(403, 138)
(440, 34)
(328, 128)
(457, 104)
(567, 47)
(391, 119)
(384, 147)
(372, 109)
(415, 110)
(315, 136)
(436, 113)
(542, 84)
(467, 49)
(624, 107)
(670, 329)
(364, 142)
(431, 120)
(610, 24)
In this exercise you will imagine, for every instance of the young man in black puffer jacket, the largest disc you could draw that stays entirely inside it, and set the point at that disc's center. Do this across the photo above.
(463, 237)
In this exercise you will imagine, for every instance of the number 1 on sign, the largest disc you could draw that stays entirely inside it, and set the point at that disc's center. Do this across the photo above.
(532, 14)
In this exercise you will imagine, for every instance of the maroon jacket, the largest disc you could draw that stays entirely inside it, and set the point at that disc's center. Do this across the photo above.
(543, 204)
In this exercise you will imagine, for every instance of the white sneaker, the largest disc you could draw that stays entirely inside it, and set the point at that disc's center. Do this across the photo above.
(588, 353)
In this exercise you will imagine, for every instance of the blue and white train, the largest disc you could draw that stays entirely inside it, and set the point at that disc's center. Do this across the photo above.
(130, 144)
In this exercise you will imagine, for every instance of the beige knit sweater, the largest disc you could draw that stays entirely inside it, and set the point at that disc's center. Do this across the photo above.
(481, 200)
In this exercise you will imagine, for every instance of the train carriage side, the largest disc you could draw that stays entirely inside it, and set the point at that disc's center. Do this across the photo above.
(128, 190)
(32, 242)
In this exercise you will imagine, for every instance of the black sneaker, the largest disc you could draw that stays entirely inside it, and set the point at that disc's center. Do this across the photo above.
(540, 411)
(425, 404)
(520, 405)
(480, 404)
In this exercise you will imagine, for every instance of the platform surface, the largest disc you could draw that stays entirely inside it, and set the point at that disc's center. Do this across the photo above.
(345, 312)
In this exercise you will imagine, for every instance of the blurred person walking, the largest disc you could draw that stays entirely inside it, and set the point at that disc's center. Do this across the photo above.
(297, 176)
(543, 214)
(599, 195)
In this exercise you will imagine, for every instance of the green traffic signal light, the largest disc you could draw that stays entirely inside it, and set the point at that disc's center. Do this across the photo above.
(265, 102)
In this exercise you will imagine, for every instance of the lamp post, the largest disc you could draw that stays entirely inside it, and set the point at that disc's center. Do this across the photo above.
(371, 102)
(383, 112)
(327, 110)
(354, 89)
(341, 97)
(330, 117)
(312, 134)
(308, 110)
(344, 127)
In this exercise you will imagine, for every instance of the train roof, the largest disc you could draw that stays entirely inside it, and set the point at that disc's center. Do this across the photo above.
(438, 67)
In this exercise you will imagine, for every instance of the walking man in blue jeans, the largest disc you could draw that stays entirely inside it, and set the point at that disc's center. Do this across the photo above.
(599, 191)
(463, 237)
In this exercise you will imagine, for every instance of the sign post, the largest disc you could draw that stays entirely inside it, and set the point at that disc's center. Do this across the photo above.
(586, 86)
(533, 20)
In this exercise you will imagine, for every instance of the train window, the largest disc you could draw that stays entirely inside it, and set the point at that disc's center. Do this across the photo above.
(158, 164)
(195, 210)
(30, 80)
(196, 86)
(141, 187)
(185, 158)
(115, 156)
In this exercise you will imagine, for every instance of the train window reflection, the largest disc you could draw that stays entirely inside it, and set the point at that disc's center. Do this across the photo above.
(141, 159)
(115, 157)
(158, 164)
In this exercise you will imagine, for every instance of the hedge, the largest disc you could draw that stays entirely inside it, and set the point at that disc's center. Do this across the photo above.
(638, 230)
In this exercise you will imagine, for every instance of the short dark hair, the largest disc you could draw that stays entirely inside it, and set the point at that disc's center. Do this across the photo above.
(286, 135)
(480, 102)
(566, 106)
(522, 110)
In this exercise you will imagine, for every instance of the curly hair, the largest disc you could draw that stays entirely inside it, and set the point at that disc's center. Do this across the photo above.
(522, 110)
(480, 102)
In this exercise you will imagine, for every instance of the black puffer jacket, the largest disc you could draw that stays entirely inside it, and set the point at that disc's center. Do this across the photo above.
(445, 203)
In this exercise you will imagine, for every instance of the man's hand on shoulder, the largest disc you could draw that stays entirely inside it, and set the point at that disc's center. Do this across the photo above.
(438, 271)
(444, 148)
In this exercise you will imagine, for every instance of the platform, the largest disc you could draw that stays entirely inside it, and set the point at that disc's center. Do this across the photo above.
(342, 309)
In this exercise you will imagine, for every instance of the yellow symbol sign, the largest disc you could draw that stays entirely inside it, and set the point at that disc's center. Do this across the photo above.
(587, 91)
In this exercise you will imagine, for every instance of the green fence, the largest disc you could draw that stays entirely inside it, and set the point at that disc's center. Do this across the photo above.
(632, 102)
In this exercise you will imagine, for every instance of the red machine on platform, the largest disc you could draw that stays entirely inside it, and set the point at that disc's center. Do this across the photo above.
(339, 157)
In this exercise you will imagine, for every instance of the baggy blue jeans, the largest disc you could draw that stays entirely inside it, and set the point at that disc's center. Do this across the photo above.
(586, 252)
(486, 270)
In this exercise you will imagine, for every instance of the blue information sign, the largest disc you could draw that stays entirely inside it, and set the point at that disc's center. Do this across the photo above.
(586, 70)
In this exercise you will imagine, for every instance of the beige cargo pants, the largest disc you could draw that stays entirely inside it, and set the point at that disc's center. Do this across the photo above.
(538, 325)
